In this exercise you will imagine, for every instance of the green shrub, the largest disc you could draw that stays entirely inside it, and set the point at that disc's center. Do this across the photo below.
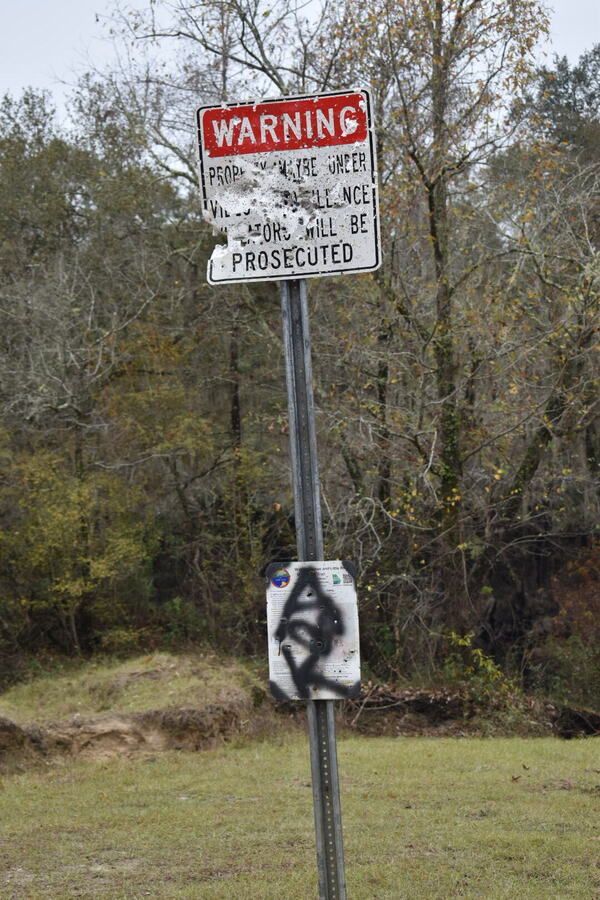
(568, 669)
(469, 667)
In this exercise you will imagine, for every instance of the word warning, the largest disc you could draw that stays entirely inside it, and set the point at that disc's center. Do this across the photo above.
(292, 184)
(312, 623)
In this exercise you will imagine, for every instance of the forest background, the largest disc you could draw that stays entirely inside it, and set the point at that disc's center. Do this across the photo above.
(144, 476)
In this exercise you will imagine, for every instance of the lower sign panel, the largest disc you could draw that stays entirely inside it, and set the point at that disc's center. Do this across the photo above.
(312, 621)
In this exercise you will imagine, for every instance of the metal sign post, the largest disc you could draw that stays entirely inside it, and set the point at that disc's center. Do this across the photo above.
(309, 536)
(291, 182)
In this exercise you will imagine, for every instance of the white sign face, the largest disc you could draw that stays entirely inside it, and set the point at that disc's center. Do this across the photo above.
(292, 184)
(312, 623)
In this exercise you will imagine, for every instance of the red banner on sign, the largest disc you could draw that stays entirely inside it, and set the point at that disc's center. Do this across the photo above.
(284, 125)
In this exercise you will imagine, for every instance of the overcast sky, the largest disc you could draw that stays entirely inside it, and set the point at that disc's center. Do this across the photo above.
(45, 43)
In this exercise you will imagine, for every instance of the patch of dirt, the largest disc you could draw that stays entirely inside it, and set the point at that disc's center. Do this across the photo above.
(380, 710)
(574, 721)
(111, 734)
(213, 703)
(384, 710)
(18, 741)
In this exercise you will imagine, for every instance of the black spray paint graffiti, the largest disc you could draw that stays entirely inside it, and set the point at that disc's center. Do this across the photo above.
(316, 635)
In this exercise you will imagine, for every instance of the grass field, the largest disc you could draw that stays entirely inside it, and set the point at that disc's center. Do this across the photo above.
(423, 818)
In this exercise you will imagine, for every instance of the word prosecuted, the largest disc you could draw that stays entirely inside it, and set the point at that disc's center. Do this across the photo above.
(285, 125)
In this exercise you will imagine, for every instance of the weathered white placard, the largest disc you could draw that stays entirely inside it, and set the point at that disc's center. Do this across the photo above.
(292, 184)
(312, 622)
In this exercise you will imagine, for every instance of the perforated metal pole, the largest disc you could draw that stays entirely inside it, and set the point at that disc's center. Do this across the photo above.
(309, 537)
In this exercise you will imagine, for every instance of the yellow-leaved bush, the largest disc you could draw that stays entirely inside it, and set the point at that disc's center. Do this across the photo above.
(76, 551)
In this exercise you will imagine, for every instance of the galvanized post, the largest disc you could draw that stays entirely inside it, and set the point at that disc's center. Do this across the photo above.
(309, 537)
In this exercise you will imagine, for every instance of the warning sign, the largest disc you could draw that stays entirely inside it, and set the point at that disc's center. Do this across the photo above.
(292, 185)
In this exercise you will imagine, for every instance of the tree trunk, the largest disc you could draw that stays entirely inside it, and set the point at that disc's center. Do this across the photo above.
(437, 196)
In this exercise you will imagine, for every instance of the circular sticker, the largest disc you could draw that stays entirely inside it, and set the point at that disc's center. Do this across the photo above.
(281, 578)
